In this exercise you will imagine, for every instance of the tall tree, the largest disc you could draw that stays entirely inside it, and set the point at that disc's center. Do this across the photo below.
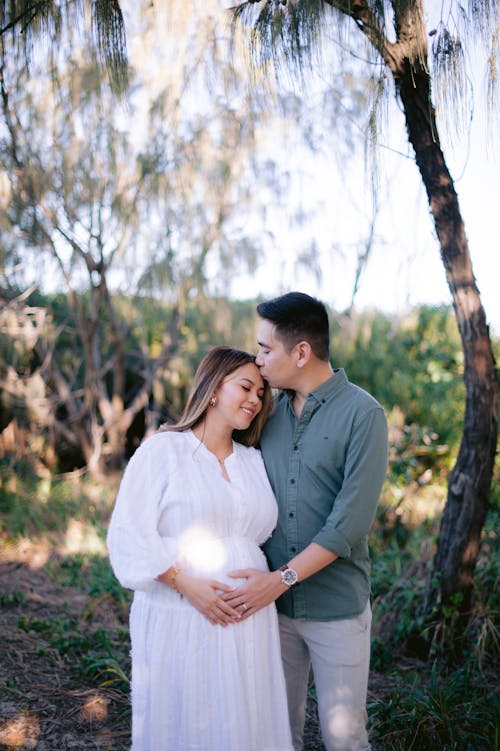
(397, 38)
(76, 188)
(109, 214)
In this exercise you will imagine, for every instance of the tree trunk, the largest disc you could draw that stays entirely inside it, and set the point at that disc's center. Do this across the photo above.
(470, 480)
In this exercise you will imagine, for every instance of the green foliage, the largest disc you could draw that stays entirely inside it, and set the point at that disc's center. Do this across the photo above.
(416, 453)
(94, 575)
(399, 584)
(8, 599)
(450, 712)
(437, 699)
(31, 505)
(98, 655)
(401, 570)
(414, 365)
(22, 513)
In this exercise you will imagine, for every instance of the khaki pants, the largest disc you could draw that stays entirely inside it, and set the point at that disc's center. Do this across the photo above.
(339, 654)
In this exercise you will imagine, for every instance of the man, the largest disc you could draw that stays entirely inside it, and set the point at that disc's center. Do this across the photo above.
(325, 451)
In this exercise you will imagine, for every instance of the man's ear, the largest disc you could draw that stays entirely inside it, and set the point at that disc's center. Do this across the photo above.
(303, 353)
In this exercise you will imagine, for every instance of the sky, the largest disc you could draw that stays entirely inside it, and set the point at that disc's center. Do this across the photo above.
(404, 268)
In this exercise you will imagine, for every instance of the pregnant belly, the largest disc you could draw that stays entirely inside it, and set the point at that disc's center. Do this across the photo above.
(214, 557)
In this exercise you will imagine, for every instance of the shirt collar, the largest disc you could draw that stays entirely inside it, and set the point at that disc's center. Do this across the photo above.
(327, 389)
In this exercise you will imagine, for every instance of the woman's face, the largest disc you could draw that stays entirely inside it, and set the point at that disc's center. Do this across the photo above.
(239, 397)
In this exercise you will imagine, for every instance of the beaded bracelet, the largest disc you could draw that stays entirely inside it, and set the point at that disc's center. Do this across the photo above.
(173, 579)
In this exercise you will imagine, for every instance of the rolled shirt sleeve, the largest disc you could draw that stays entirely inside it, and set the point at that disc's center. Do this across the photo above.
(356, 502)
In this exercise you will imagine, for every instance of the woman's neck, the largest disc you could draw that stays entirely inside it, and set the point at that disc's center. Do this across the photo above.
(216, 439)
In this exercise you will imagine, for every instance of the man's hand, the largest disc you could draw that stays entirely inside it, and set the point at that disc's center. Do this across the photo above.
(206, 596)
(261, 588)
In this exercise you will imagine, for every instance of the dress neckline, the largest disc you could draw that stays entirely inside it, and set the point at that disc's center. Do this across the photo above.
(210, 454)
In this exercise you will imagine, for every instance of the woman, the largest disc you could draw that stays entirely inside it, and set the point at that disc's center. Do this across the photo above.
(194, 504)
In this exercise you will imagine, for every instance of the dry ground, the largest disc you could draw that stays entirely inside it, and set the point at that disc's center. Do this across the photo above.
(43, 705)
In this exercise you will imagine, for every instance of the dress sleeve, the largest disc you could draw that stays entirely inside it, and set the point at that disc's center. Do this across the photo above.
(137, 551)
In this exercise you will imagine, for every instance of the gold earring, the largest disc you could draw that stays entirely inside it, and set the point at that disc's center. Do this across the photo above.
(213, 401)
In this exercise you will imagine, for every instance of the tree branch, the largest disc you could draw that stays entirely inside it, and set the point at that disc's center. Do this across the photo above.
(31, 11)
(367, 22)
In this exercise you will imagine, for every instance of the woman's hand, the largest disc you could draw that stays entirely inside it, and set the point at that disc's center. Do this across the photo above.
(205, 596)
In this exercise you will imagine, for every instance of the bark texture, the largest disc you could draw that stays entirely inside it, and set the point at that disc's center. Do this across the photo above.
(469, 482)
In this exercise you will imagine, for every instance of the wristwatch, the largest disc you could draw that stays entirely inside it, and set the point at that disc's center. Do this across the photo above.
(288, 575)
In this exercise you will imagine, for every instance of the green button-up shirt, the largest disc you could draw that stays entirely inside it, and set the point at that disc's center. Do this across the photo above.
(326, 469)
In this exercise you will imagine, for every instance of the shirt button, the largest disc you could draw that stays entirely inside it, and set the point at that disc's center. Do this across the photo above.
(294, 550)
(291, 514)
(295, 448)
(292, 481)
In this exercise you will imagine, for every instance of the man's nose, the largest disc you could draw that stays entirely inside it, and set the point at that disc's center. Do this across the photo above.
(258, 360)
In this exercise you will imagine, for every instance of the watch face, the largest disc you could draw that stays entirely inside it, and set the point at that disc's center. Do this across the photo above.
(289, 576)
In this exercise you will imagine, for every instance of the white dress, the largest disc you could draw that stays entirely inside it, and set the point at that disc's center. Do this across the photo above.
(196, 686)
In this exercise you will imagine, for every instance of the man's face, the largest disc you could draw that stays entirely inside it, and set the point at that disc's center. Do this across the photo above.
(276, 365)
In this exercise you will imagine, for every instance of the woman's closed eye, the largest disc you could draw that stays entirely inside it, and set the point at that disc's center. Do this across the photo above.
(260, 395)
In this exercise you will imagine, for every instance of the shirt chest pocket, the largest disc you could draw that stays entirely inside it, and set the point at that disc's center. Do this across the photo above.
(324, 459)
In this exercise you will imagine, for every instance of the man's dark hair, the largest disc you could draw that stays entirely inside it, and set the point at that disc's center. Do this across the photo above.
(299, 317)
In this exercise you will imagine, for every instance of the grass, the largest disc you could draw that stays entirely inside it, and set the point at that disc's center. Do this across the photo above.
(93, 574)
(400, 579)
(46, 509)
(436, 701)
(97, 655)
(11, 598)
(32, 506)
(448, 711)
